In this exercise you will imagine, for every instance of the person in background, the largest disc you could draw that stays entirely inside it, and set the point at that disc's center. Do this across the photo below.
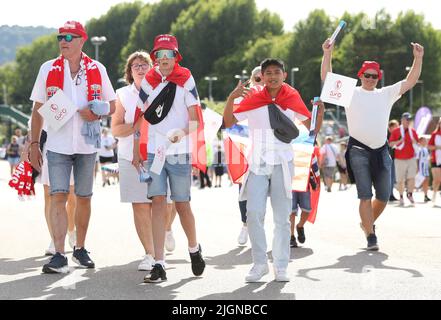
(393, 124)
(423, 157)
(435, 147)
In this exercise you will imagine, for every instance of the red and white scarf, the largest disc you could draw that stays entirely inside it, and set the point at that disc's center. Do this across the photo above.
(55, 78)
(181, 77)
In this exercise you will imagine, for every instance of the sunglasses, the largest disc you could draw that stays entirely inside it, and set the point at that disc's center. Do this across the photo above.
(257, 79)
(67, 37)
(169, 54)
(370, 75)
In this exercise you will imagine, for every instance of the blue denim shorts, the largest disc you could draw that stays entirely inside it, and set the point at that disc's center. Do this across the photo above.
(364, 180)
(60, 168)
(301, 200)
(177, 168)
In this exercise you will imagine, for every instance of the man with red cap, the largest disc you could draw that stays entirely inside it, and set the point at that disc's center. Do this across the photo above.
(368, 159)
(174, 118)
(86, 83)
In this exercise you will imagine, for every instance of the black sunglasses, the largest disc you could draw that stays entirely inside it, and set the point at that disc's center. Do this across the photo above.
(67, 37)
(370, 75)
(257, 79)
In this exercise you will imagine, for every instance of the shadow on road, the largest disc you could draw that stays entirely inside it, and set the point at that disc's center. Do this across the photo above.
(359, 263)
(115, 282)
(272, 291)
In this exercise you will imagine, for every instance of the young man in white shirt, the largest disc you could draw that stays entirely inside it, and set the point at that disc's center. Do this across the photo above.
(368, 159)
(86, 83)
(270, 163)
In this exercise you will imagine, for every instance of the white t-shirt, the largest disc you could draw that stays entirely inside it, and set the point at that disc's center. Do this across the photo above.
(106, 149)
(331, 152)
(128, 96)
(368, 114)
(262, 138)
(177, 118)
(68, 139)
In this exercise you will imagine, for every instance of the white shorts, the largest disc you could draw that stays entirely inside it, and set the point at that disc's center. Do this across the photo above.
(131, 190)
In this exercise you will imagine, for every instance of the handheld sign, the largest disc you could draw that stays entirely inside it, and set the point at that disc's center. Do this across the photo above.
(340, 27)
(57, 110)
(338, 89)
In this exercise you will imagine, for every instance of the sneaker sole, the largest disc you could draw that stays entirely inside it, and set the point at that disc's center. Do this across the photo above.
(256, 280)
(373, 248)
(81, 265)
(148, 280)
(144, 269)
(50, 270)
(282, 280)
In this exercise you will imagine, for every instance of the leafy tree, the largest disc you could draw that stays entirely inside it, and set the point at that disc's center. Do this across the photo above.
(115, 26)
(153, 20)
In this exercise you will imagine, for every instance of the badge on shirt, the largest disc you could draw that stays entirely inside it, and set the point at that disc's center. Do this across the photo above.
(57, 110)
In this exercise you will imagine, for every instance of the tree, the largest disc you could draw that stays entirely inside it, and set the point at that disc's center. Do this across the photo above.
(306, 53)
(115, 26)
(153, 20)
(28, 62)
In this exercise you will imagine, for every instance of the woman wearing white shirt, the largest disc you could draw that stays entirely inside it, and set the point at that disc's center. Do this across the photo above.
(131, 189)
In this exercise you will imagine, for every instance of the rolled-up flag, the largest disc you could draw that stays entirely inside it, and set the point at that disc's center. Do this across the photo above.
(340, 27)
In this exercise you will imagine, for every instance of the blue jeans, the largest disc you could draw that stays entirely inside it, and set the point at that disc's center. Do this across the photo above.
(177, 168)
(364, 179)
(258, 187)
(60, 169)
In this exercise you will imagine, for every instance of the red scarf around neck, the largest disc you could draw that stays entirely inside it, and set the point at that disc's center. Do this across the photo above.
(179, 75)
(287, 98)
(55, 78)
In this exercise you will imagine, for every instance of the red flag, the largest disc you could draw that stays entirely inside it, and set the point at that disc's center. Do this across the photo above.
(237, 163)
(199, 151)
(287, 98)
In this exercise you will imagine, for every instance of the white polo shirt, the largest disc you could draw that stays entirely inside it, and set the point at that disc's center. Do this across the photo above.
(264, 143)
(368, 114)
(177, 118)
(128, 96)
(68, 139)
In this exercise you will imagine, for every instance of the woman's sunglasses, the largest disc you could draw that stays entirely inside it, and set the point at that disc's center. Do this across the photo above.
(370, 75)
(169, 54)
(67, 37)
(257, 79)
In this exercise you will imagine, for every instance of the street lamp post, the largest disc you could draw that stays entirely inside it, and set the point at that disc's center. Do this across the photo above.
(422, 91)
(97, 41)
(242, 77)
(410, 94)
(210, 81)
(293, 71)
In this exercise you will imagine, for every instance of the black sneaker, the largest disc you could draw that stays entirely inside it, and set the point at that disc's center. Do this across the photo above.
(197, 262)
(57, 264)
(156, 275)
(426, 198)
(301, 234)
(81, 257)
(372, 242)
(293, 242)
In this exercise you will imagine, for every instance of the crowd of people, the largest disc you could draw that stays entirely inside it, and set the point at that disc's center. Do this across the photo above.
(155, 126)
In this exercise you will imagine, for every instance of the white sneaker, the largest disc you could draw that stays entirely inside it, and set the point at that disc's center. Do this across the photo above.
(147, 263)
(257, 272)
(51, 250)
(72, 235)
(243, 236)
(281, 275)
(170, 243)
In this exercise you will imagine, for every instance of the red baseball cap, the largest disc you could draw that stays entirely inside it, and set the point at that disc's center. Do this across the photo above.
(75, 28)
(165, 41)
(370, 65)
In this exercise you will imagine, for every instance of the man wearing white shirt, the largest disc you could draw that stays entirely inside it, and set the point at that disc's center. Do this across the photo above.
(270, 163)
(86, 83)
(368, 159)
